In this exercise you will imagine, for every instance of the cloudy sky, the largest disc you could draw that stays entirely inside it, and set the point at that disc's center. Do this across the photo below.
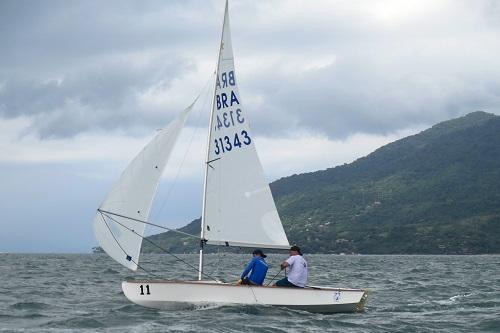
(85, 84)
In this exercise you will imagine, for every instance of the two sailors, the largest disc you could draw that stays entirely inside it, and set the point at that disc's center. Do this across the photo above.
(256, 270)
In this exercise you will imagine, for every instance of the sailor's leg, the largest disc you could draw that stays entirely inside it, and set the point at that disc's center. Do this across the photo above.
(284, 283)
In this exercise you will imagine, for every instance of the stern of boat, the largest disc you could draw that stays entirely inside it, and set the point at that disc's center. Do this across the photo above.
(361, 305)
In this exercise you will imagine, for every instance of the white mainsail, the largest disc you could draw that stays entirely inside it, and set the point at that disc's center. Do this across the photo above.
(239, 209)
(117, 224)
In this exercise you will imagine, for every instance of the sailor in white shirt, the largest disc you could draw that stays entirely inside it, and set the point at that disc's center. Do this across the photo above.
(297, 270)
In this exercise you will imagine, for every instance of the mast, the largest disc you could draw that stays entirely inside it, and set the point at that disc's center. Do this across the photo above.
(207, 161)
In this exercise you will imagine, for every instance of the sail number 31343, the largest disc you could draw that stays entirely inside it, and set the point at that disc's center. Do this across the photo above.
(227, 143)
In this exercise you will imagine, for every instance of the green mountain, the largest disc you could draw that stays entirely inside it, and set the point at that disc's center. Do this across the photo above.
(434, 192)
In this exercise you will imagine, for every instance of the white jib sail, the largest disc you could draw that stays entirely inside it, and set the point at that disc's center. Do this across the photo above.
(117, 225)
(239, 209)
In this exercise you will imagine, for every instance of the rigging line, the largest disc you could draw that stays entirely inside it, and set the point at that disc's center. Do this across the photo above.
(274, 277)
(218, 262)
(158, 246)
(186, 152)
(119, 245)
(213, 160)
(179, 259)
(253, 293)
(148, 223)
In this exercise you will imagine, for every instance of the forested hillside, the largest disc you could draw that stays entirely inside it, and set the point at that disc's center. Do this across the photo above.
(434, 192)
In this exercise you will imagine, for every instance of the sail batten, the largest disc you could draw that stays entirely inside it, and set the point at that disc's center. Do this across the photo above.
(130, 199)
(239, 208)
(252, 245)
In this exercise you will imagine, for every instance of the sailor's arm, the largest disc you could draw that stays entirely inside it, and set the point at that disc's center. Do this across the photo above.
(284, 264)
(247, 269)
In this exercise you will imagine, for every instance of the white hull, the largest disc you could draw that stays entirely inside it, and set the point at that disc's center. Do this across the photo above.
(174, 295)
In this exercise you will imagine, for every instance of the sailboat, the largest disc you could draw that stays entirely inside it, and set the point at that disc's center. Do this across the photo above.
(238, 210)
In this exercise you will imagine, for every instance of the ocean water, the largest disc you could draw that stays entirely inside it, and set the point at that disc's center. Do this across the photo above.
(82, 293)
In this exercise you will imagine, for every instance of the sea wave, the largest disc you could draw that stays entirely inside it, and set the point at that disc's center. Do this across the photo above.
(82, 293)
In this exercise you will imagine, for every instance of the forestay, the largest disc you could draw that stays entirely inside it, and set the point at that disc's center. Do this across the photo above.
(117, 225)
(239, 209)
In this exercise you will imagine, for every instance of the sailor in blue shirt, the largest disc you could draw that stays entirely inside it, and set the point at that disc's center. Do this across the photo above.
(258, 268)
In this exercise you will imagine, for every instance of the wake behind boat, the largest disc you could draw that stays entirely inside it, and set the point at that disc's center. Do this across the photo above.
(238, 210)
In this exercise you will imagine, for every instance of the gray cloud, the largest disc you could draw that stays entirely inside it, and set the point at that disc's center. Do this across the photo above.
(65, 34)
(102, 96)
(386, 75)
(80, 66)
(337, 102)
